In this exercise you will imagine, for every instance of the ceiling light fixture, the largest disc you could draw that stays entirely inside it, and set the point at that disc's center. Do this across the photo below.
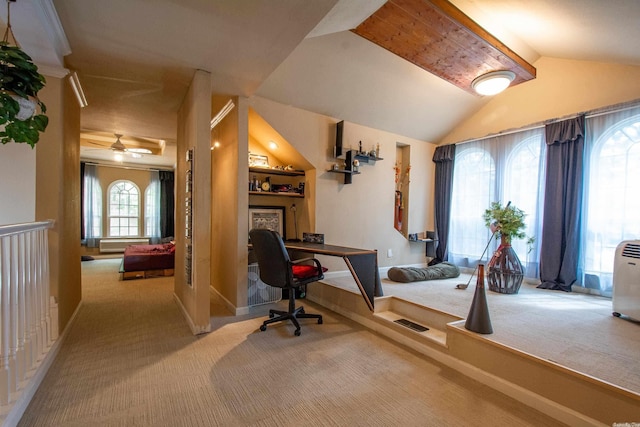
(77, 89)
(118, 146)
(273, 145)
(493, 82)
(222, 113)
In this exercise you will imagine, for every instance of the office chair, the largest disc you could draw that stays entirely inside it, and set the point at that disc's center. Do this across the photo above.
(277, 269)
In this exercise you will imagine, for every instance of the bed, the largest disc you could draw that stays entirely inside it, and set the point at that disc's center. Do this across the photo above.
(142, 261)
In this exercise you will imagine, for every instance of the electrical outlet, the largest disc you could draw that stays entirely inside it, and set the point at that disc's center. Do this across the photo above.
(389, 253)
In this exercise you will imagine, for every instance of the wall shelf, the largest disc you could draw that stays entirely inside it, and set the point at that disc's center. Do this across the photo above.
(275, 193)
(270, 171)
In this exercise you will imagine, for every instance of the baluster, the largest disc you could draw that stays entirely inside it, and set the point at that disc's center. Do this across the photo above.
(13, 314)
(5, 313)
(43, 290)
(31, 324)
(21, 369)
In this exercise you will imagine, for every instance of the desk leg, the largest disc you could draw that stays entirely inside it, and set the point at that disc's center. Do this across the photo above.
(364, 269)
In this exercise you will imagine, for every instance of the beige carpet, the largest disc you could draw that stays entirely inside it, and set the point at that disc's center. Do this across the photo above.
(130, 360)
(573, 329)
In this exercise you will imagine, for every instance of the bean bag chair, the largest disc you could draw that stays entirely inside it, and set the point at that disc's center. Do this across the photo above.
(444, 270)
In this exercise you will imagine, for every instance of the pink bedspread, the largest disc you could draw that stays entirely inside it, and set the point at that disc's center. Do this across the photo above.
(149, 257)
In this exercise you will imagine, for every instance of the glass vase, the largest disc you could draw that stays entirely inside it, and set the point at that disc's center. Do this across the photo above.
(505, 271)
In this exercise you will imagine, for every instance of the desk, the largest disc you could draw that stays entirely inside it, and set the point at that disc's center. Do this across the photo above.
(362, 263)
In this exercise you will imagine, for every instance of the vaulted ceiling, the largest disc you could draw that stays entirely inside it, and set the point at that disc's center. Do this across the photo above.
(135, 58)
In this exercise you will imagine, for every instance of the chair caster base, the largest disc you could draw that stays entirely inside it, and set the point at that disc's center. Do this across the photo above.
(297, 332)
(263, 328)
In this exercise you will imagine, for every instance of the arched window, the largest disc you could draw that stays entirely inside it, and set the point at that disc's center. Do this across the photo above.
(611, 204)
(524, 187)
(498, 169)
(473, 184)
(124, 209)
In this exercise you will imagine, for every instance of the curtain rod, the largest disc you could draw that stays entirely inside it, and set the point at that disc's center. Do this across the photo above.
(588, 114)
(109, 165)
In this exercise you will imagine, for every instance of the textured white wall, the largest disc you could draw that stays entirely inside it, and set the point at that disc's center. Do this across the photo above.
(17, 183)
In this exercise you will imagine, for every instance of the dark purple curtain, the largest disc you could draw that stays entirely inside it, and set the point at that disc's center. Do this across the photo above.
(166, 204)
(82, 234)
(563, 197)
(443, 157)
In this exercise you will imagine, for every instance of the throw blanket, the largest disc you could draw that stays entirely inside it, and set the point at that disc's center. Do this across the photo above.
(444, 270)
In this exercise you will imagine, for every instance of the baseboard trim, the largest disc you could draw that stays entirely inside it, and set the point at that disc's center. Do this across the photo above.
(195, 329)
(15, 413)
(237, 311)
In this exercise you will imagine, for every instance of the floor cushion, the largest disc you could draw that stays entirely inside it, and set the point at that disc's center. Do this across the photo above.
(444, 270)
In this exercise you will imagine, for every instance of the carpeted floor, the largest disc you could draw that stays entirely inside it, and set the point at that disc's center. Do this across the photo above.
(130, 360)
(573, 329)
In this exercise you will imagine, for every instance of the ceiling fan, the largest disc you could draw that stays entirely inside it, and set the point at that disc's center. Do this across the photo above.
(105, 142)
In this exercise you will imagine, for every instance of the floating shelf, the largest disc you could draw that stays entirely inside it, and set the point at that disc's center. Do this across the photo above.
(274, 193)
(271, 171)
(366, 158)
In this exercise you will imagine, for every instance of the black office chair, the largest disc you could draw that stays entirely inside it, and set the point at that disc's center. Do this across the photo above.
(277, 269)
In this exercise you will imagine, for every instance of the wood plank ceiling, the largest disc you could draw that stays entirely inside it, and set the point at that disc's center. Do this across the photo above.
(436, 36)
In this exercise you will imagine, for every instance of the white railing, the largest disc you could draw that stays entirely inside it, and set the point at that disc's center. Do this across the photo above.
(27, 329)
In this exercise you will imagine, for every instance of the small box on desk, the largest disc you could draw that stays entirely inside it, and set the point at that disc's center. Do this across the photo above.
(313, 237)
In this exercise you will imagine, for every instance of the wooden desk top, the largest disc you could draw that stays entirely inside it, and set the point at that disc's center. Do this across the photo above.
(323, 249)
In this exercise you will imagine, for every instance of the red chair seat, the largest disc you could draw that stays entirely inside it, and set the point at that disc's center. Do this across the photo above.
(305, 271)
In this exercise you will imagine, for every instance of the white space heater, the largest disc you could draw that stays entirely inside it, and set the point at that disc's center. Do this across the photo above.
(626, 280)
(259, 292)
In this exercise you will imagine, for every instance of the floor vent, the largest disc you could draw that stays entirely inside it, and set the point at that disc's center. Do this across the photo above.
(411, 325)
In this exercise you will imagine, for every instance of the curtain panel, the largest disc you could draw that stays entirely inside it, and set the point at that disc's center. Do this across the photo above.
(562, 204)
(443, 157)
(167, 203)
(91, 206)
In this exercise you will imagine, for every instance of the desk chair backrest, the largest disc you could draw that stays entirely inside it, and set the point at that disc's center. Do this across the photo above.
(273, 259)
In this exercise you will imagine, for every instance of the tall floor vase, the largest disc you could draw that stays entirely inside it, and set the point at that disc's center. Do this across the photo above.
(505, 271)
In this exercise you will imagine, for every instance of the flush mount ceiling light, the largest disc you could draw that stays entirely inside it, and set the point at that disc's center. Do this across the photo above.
(273, 145)
(493, 82)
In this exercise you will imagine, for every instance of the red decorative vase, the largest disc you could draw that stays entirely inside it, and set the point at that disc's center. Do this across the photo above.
(505, 271)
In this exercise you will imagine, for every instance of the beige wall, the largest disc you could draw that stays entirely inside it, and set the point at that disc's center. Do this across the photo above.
(359, 214)
(58, 193)
(194, 117)
(229, 173)
(563, 87)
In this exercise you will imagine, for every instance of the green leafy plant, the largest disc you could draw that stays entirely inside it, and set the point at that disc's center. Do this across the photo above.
(19, 78)
(507, 220)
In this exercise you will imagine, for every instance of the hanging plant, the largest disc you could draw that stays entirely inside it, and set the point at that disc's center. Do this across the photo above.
(20, 83)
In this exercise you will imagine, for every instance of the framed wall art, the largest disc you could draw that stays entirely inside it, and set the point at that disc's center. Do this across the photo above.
(269, 217)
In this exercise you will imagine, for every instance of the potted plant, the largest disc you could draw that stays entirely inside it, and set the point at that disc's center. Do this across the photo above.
(507, 221)
(20, 83)
(505, 271)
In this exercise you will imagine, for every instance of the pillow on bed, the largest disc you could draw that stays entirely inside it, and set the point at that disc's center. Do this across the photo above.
(444, 270)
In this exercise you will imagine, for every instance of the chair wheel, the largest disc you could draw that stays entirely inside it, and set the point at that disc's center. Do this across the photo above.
(297, 332)
(320, 321)
(263, 328)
